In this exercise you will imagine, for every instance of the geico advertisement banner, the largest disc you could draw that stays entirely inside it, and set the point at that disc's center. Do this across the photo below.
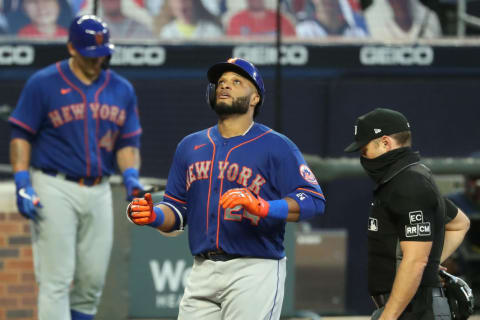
(158, 57)
(158, 272)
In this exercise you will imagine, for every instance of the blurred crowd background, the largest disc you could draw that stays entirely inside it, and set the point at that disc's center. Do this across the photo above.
(221, 19)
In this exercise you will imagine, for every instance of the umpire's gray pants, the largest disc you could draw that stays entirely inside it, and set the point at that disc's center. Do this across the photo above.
(71, 245)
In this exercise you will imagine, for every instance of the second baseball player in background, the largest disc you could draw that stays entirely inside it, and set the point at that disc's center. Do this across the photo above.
(74, 120)
(236, 184)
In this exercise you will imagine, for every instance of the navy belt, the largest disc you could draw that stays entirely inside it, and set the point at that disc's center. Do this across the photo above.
(218, 255)
(380, 300)
(83, 181)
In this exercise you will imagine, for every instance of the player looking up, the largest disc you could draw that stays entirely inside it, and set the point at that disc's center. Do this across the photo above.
(73, 121)
(236, 184)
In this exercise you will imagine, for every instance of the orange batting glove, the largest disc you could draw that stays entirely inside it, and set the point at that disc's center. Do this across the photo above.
(142, 212)
(244, 197)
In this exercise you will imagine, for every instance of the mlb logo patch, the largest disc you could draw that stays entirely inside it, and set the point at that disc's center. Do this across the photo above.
(301, 196)
(372, 224)
(416, 216)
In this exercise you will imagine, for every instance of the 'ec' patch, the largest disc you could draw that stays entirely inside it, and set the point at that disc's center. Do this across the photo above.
(416, 216)
(307, 174)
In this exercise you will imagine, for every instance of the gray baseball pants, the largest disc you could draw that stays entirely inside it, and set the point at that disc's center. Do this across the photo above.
(242, 288)
(71, 245)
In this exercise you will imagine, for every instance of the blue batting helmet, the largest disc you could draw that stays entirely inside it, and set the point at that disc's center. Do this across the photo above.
(90, 36)
(240, 66)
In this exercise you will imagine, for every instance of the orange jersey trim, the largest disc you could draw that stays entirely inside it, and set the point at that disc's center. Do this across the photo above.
(97, 123)
(85, 118)
(221, 183)
(174, 199)
(211, 174)
(314, 192)
(21, 124)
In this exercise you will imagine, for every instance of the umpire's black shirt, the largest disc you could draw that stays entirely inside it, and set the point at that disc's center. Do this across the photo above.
(407, 206)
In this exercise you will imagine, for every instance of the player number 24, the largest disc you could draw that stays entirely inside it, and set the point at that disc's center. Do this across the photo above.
(238, 213)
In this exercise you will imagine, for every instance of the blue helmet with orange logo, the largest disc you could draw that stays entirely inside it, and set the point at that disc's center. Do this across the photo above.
(90, 36)
(240, 66)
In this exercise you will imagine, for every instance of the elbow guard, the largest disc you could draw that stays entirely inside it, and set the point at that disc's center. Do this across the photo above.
(310, 206)
(179, 224)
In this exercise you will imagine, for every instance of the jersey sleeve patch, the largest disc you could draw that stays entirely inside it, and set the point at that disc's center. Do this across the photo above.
(418, 230)
(307, 174)
(417, 227)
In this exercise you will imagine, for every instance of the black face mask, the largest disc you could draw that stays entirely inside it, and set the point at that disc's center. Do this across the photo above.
(378, 167)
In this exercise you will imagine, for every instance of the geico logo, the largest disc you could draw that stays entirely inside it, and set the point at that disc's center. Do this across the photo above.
(264, 55)
(138, 55)
(406, 56)
(21, 55)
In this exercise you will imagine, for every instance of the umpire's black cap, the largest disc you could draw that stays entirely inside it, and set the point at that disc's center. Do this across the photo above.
(375, 124)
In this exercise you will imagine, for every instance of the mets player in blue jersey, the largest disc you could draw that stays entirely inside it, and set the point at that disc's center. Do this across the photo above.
(74, 122)
(236, 185)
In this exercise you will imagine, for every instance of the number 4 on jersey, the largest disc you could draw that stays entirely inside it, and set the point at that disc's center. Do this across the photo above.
(108, 140)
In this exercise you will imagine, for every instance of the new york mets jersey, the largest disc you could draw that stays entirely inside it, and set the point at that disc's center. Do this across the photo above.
(77, 127)
(206, 165)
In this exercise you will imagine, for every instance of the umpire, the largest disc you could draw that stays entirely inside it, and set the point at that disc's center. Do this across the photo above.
(412, 228)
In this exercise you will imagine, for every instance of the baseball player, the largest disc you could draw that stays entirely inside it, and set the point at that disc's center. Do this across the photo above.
(74, 120)
(236, 184)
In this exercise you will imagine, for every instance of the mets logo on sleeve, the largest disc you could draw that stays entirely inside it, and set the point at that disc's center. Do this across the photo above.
(307, 174)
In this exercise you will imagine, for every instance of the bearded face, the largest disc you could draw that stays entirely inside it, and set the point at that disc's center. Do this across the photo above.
(238, 106)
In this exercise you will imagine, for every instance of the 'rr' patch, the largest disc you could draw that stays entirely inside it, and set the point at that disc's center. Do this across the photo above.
(411, 231)
(418, 230)
(415, 216)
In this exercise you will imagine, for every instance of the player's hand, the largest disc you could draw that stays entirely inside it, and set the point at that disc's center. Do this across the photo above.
(132, 184)
(244, 197)
(142, 212)
(27, 199)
